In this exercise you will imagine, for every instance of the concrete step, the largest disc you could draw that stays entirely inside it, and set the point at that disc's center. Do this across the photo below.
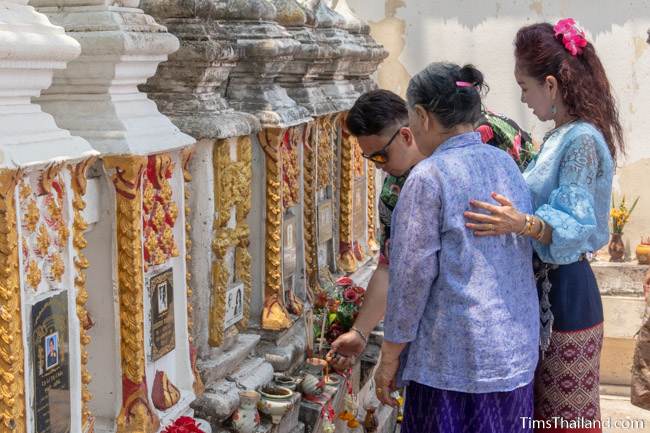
(285, 350)
(252, 373)
(222, 363)
(221, 398)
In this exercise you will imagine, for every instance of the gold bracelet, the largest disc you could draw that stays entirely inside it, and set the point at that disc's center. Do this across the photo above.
(538, 237)
(526, 227)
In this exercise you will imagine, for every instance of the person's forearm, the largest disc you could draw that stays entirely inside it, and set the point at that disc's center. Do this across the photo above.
(391, 351)
(374, 303)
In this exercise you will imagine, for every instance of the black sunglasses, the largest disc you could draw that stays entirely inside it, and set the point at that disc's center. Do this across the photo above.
(381, 156)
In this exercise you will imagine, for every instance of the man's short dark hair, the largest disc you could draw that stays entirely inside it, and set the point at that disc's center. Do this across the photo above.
(376, 111)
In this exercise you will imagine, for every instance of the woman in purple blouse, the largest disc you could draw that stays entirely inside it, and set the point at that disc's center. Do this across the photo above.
(461, 326)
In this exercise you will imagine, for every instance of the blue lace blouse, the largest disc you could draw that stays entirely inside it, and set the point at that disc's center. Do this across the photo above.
(571, 185)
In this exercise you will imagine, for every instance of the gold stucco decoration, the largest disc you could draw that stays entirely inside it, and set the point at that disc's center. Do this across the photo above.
(79, 227)
(186, 157)
(309, 204)
(347, 261)
(232, 189)
(159, 211)
(373, 244)
(136, 415)
(274, 315)
(12, 386)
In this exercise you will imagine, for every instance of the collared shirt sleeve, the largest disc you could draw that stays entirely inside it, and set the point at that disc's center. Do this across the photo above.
(413, 253)
(570, 210)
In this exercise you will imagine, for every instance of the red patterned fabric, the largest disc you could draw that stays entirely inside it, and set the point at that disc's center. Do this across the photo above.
(567, 380)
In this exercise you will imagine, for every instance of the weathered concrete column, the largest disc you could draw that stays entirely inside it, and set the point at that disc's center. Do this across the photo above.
(330, 30)
(43, 379)
(310, 59)
(372, 55)
(189, 88)
(140, 355)
(266, 49)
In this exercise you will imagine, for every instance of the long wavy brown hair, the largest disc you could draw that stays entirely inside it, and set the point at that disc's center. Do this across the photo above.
(582, 80)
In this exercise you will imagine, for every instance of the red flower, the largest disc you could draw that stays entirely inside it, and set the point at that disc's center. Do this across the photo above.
(360, 290)
(344, 281)
(335, 331)
(573, 37)
(350, 294)
(183, 424)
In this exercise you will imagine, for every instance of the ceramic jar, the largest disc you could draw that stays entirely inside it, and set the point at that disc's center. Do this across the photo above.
(246, 418)
(312, 385)
(643, 254)
(276, 401)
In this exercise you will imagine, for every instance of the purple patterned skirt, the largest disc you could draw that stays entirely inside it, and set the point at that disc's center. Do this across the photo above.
(432, 410)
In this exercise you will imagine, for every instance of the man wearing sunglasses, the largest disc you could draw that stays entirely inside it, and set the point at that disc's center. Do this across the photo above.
(379, 120)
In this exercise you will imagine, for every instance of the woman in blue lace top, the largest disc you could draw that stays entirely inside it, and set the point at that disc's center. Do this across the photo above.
(570, 181)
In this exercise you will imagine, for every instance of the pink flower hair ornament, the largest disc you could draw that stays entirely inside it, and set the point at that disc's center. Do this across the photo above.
(573, 37)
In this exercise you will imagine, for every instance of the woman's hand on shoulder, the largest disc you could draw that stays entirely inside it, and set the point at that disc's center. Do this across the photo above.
(497, 220)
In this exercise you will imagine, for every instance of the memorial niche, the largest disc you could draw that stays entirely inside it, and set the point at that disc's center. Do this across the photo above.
(51, 365)
(161, 292)
(326, 213)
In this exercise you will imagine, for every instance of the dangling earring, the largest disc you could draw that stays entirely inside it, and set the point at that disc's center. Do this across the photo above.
(553, 110)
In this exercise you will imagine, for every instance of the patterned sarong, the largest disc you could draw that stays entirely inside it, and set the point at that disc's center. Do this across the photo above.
(432, 410)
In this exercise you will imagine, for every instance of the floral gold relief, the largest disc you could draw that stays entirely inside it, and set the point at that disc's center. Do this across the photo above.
(136, 415)
(79, 227)
(274, 315)
(309, 203)
(12, 385)
(186, 156)
(159, 211)
(373, 244)
(347, 261)
(243, 266)
(325, 152)
(232, 189)
(289, 167)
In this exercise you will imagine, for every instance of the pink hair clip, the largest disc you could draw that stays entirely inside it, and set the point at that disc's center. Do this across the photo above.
(464, 84)
(573, 37)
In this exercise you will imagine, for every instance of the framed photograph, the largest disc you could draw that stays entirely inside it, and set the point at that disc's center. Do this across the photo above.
(51, 350)
(234, 305)
(161, 292)
(162, 297)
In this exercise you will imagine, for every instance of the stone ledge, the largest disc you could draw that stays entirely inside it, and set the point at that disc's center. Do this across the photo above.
(624, 278)
(221, 398)
(623, 315)
(253, 373)
(284, 350)
(218, 367)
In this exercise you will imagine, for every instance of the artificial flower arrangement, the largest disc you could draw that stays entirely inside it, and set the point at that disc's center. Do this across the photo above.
(183, 424)
(336, 305)
(621, 214)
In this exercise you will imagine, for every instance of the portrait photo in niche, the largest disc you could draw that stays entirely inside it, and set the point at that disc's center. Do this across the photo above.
(234, 305)
(51, 350)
